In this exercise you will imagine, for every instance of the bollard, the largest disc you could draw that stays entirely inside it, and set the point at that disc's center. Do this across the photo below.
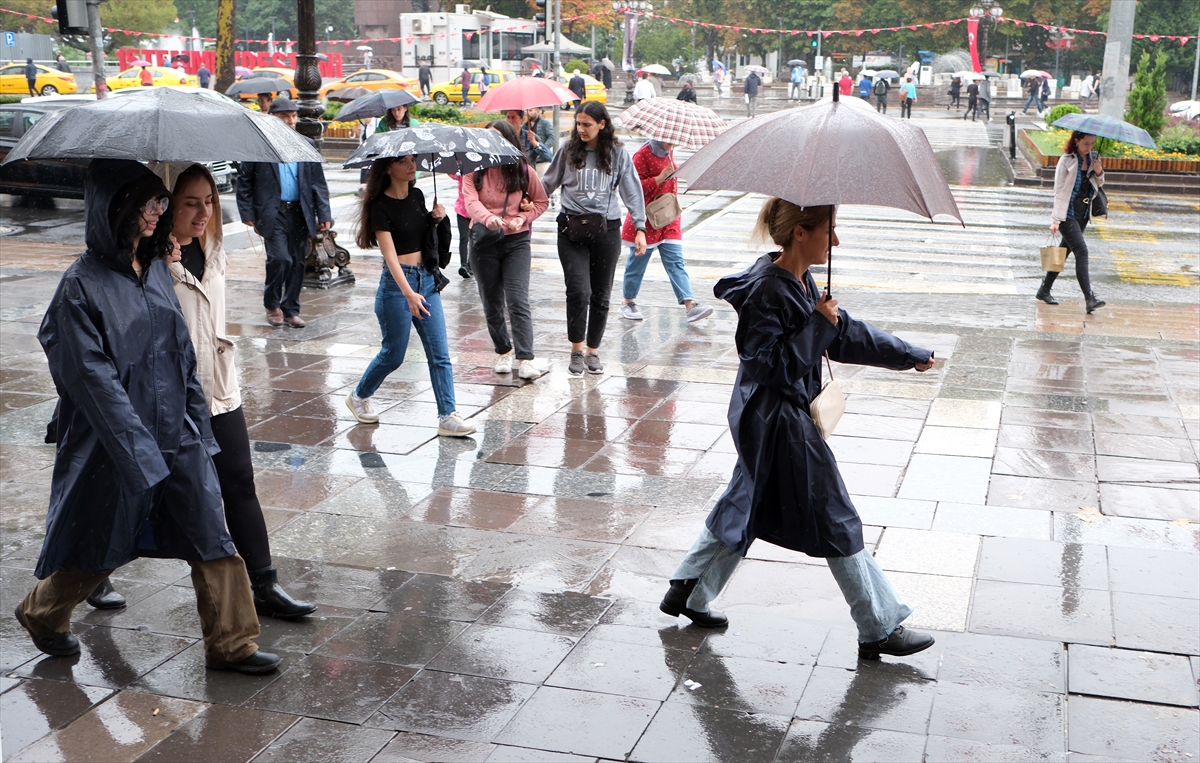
(1010, 135)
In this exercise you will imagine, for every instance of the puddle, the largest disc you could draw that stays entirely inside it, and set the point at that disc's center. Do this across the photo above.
(974, 166)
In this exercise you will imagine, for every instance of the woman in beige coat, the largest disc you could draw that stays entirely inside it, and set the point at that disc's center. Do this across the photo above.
(1077, 181)
(198, 272)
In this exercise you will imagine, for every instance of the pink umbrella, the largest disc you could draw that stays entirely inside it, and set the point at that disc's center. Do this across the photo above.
(242, 71)
(140, 62)
(522, 93)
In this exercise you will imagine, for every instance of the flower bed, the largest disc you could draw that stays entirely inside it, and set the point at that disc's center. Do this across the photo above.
(1046, 147)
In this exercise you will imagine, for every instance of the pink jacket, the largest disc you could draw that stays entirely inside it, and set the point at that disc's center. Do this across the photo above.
(489, 201)
(460, 204)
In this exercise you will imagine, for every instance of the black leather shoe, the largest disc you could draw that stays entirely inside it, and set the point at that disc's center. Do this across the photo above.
(675, 604)
(259, 662)
(59, 646)
(1044, 295)
(902, 642)
(464, 272)
(1094, 302)
(106, 597)
(270, 600)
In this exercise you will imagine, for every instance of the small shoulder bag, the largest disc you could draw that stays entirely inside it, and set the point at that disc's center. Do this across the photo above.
(826, 408)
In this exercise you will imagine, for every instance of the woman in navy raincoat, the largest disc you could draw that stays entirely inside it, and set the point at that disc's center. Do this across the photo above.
(133, 472)
(786, 488)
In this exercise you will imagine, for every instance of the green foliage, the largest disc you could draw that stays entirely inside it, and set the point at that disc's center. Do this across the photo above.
(451, 115)
(253, 18)
(1148, 98)
(1107, 146)
(1061, 110)
(1180, 139)
(574, 64)
(11, 98)
(331, 110)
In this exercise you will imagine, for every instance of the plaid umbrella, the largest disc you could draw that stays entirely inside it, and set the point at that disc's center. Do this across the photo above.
(676, 122)
(1106, 127)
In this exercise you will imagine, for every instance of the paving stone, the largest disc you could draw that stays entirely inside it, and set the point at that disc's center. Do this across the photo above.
(998, 715)
(957, 441)
(566, 613)
(186, 676)
(315, 739)
(442, 597)
(1124, 674)
(508, 653)
(583, 723)
(928, 552)
(825, 743)
(613, 667)
(418, 748)
(1156, 623)
(893, 698)
(400, 639)
(333, 688)
(1078, 615)
(33, 709)
(693, 732)
(941, 749)
(1070, 565)
(506, 754)
(1021, 663)
(221, 733)
(940, 602)
(1161, 573)
(946, 478)
(1131, 731)
(110, 657)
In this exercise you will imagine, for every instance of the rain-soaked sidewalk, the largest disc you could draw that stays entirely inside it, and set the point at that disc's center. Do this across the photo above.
(1035, 498)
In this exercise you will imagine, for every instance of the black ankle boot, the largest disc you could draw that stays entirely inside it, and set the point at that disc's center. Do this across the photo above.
(259, 662)
(270, 600)
(1043, 292)
(1094, 302)
(675, 604)
(901, 642)
(58, 646)
(106, 597)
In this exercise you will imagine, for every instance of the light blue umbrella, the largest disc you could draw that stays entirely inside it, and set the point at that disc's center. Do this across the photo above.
(1106, 127)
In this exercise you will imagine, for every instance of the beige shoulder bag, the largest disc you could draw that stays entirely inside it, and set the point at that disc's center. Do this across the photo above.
(827, 408)
(664, 210)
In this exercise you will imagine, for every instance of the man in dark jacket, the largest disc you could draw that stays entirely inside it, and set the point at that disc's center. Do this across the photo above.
(204, 75)
(287, 204)
(578, 86)
(31, 73)
(751, 84)
(60, 63)
(972, 101)
(881, 91)
(1035, 88)
(425, 78)
(687, 92)
(537, 138)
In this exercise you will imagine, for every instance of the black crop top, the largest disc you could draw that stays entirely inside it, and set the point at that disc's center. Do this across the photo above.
(406, 219)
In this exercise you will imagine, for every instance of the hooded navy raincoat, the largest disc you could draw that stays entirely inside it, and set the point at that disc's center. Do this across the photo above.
(133, 472)
(786, 488)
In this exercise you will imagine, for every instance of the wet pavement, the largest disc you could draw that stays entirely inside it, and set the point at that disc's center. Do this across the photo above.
(1035, 497)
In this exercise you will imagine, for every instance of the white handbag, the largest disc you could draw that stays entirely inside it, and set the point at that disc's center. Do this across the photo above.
(826, 408)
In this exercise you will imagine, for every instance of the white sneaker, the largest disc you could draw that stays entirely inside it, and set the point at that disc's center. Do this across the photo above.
(361, 408)
(630, 312)
(698, 313)
(532, 369)
(504, 363)
(454, 426)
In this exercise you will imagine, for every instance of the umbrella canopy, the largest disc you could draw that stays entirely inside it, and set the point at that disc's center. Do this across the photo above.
(797, 62)
(888, 74)
(1034, 73)
(656, 69)
(522, 93)
(256, 85)
(181, 57)
(992, 75)
(758, 69)
(608, 64)
(968, 76)
(242, 71)
(347, 94)
(564, 46)
(140, 62)
(676, 122)
(439, 148)
(163, 125)
(376, 104)
(1105, 127)
(832, 152)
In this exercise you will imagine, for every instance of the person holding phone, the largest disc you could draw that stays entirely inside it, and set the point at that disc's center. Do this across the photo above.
(393, 217)
(786, 488)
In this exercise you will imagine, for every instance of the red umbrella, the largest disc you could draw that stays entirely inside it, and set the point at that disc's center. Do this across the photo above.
(522, 93)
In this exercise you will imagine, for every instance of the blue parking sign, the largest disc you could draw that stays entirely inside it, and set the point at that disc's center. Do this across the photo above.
(10, 39)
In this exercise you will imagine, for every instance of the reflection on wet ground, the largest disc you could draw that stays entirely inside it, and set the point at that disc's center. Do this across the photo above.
(975, 166)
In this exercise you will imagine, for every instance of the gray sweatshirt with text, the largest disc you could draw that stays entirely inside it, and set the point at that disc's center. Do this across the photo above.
(593, 191)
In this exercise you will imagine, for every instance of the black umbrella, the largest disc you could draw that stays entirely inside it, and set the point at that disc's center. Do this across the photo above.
(256, 85)
(376, 104)
(181, 57)
(163, 125)
(439, 148)
(347, 94)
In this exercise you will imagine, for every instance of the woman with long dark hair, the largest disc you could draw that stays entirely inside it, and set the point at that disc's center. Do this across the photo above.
(505, 201)
(198, 273)
(786, 488)
(133, 471)
(1077, 178)
(393, 217)
(596, 175)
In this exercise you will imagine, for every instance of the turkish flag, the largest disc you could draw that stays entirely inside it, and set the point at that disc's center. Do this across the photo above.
(973, 43)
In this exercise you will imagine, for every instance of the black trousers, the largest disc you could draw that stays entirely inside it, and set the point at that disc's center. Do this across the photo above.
(1072, 239)
(972, 107)
(243, 513)
(464, 242)
(502, 275)
(906, 108)
(985, 108)
(287, 250)
(588, 270)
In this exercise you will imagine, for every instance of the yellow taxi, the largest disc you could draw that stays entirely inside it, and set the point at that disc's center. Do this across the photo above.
(593, 89)
(49, 81)
(451, 92)
(274, 71)
(374, 79)
(163, 75)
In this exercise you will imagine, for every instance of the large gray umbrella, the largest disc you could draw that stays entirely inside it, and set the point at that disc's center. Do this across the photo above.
(832, 152)
(375, 104)
(256, 85)
(163, 125)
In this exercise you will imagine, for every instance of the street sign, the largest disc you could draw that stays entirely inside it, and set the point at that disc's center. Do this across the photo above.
(10, 39)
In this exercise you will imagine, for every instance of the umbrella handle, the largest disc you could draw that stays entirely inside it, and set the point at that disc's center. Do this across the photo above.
(829, 262)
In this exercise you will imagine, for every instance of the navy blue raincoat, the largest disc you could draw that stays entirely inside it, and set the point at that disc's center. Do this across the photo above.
(133, 472)
(786, 488)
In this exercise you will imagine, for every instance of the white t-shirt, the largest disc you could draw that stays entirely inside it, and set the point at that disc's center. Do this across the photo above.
(644, 90)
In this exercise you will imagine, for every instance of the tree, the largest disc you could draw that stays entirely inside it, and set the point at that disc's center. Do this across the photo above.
(1148, 98)
(135, 15)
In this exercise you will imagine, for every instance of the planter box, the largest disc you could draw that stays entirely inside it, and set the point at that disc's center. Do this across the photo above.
(1120, 164)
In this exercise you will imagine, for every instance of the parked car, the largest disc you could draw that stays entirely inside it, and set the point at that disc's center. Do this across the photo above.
(163, 75)
(60, 178)
(593, 89)
(374, 79)
(49, 81)
(451, 92)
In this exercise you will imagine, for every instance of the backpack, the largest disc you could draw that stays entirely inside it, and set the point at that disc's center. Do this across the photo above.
(881, 87)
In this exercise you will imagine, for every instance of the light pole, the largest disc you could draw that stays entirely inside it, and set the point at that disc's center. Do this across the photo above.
(195, 41)
(987, 12)
(308, 72)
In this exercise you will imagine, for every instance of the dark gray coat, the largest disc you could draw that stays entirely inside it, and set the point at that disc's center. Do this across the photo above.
(133, 472)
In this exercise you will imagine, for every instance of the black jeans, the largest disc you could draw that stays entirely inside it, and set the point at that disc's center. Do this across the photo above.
(502, 275)
(906, 108)
(464, 242)
(588, 270)
(287, 249)
(985, 108)
(243, 513)
(1072, 239)
(972, 107)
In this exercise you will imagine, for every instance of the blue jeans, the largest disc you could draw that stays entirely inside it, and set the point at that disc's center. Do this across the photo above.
(395, 321)
(874, 604)
(671, 253)
(1034, 100)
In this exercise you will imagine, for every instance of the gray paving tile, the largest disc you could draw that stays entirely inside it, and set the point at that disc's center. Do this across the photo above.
(894, 697)
(110, 657)
(424, 748)
(941, 749)
(816, 741)
(928, 552)
(895, 512)
(1021, 663)
(695, 732)
(506, 754)
(1077, 615)
(1132, 731)
(1044, 562)
(442, 597)
(999, 521)
(613, 667)
(767, 637)
(998, 715)
(737, 683)
(33, 709)
(314, 739)
(400, 639)
(333, 688)
(583, 723)
(186, 676)
(452, 705)
(220, 732)
(946, 478)
(1161, 573)
(566, 613)
(1164, 679)
(1156, 623)
(495, 652)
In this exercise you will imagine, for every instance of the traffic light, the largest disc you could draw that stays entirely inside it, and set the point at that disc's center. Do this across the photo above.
(71, 16)
(540, 18)
(814, 42)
